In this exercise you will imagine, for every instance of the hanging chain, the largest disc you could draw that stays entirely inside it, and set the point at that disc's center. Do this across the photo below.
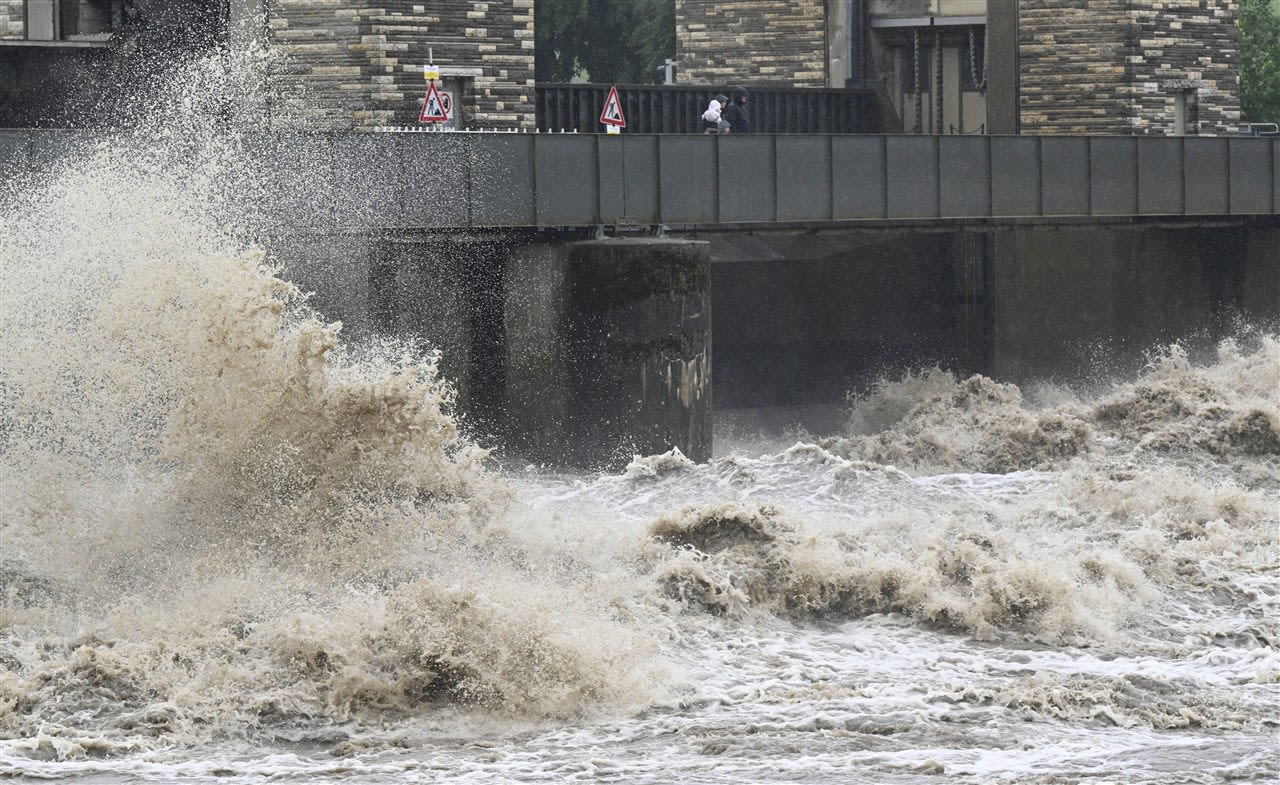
(915, 59)
(981, 84)
(918, 126)
(937, 78)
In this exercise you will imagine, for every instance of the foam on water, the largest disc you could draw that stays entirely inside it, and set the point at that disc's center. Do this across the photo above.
(235, 547)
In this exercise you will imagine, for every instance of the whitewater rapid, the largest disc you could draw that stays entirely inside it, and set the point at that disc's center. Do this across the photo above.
(236, 547)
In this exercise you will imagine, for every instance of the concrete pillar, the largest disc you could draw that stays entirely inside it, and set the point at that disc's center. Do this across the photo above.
(1002, 68)
(608, 351)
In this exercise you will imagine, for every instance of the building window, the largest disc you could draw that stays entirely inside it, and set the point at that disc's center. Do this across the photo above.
(917, 70)
(69, 20)
(1185, 113)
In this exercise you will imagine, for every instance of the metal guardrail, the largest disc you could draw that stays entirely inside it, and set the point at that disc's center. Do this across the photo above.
(492, 180)
(678, 108)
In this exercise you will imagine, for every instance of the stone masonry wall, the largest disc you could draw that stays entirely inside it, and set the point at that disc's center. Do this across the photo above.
(730, 42)
(11, 19)
(356, 66)
(1116, 66)
(1073, 63)
(1189, 45)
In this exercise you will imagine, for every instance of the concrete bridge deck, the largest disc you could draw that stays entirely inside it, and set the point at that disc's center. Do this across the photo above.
(493, 180)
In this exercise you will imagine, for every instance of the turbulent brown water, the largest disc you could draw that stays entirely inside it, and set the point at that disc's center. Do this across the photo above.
(234, 547)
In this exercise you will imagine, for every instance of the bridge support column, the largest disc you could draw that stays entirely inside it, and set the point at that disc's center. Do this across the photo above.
(608, 350)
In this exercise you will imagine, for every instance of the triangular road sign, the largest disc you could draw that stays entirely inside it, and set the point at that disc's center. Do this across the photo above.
(433, 109)
(612, 114)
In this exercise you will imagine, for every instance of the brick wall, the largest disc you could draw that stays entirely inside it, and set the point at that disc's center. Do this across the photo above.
(350, 65)
(11, 19)
(1116, 66)
(730, 42)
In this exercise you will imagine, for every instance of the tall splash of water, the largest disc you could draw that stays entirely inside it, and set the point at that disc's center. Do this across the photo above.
(219, 521)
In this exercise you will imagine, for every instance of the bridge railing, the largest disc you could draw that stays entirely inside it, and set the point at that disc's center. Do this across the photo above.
(487, 180)
(667, 109)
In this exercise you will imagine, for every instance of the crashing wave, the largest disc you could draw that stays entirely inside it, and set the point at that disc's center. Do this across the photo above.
(729, 559)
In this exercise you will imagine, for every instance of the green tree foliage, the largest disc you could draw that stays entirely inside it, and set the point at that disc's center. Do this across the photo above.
(603, 41)
(1260, 61)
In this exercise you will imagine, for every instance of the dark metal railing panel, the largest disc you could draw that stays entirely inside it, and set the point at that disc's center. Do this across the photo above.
(1161, 188)
(1250, 172)
(859, 187)
(641, 184)
(804, 178)
(1015, 175)
(667, 109)
(611, 175)
(371, 189)
(1207, 173)
(688, 184)
(912, 166)
(503, 182)
(438, 180)
(15, 154)
(964, 176)
(297, 175)
(1113, 175)
(45, 148)
(1065, 185)
(746, 175)
(435, 179)
(1275, 175)
(567, 180)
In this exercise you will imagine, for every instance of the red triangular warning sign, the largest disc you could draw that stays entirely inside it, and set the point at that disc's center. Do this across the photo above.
(612, 114)
(433, 109)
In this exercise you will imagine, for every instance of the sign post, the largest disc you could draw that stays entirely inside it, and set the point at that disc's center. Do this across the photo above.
(612, 117)
(436, 106)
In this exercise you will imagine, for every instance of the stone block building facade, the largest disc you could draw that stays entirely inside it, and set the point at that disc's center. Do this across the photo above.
(763, 42)
(360, 64)
(12, 21)
(337, 65)
(1160, 67)
(1164, 67)
(1082, 66)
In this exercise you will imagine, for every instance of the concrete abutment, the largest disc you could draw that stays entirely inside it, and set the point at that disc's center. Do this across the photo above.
(608, 350)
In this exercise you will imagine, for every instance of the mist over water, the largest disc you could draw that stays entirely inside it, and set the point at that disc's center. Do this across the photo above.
(233, 546)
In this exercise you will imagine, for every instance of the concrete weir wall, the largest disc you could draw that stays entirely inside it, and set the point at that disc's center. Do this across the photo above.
(805, 319)
(1072, 300)
(583, 353)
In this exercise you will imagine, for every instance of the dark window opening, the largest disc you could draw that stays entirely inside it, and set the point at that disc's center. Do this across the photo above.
(921, 58)
(70, 20)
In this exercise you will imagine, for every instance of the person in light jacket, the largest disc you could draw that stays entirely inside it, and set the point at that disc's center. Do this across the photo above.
(711, 121)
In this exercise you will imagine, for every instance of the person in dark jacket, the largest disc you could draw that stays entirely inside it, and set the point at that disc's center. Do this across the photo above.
(736, 115)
